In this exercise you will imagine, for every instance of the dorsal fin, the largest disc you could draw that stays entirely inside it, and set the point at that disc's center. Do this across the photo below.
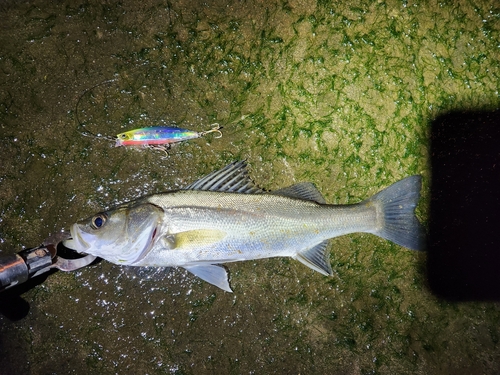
(233, 178)
(302, 190)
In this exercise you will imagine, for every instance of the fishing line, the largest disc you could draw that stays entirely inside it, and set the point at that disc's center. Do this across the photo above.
(81, 126)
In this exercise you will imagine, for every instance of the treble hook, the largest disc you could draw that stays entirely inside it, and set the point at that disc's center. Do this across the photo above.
(215, 129)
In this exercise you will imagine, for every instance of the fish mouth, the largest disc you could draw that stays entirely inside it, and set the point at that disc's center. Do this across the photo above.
(76, 242)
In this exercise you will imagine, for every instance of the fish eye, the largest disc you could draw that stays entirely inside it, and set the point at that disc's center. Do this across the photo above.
(98, 221)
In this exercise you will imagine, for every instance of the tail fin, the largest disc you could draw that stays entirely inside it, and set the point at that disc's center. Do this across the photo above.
(398, 202)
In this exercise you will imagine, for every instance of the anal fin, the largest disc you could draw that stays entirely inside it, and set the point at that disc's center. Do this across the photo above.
(316, 258)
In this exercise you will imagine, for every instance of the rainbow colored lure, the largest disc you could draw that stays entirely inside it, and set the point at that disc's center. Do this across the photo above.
(161, 137)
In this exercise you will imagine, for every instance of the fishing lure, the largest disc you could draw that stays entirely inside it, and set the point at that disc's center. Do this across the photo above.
(161, 137)
(158, 137)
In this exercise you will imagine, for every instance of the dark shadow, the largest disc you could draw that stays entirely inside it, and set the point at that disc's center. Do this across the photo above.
(12, 305)
(464, 228)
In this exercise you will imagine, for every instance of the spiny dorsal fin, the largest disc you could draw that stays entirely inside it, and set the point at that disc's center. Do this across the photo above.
(233, 178)
(316, 258)
(302, 190)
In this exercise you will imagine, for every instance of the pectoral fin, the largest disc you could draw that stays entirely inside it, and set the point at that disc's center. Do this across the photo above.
(193, 239)
(213, 274)
(316, 258)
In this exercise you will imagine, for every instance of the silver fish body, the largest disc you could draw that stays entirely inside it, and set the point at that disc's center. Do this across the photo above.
(224, 218)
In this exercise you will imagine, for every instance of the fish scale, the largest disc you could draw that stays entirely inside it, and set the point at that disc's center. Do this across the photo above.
(259, 227)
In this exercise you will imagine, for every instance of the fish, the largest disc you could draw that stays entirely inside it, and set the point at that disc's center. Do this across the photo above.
(161, 137)
(225, 217)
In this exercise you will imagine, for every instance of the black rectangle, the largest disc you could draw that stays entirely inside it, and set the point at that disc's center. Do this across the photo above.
(464, 231)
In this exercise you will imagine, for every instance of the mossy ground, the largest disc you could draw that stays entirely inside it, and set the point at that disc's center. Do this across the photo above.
(337, 93)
